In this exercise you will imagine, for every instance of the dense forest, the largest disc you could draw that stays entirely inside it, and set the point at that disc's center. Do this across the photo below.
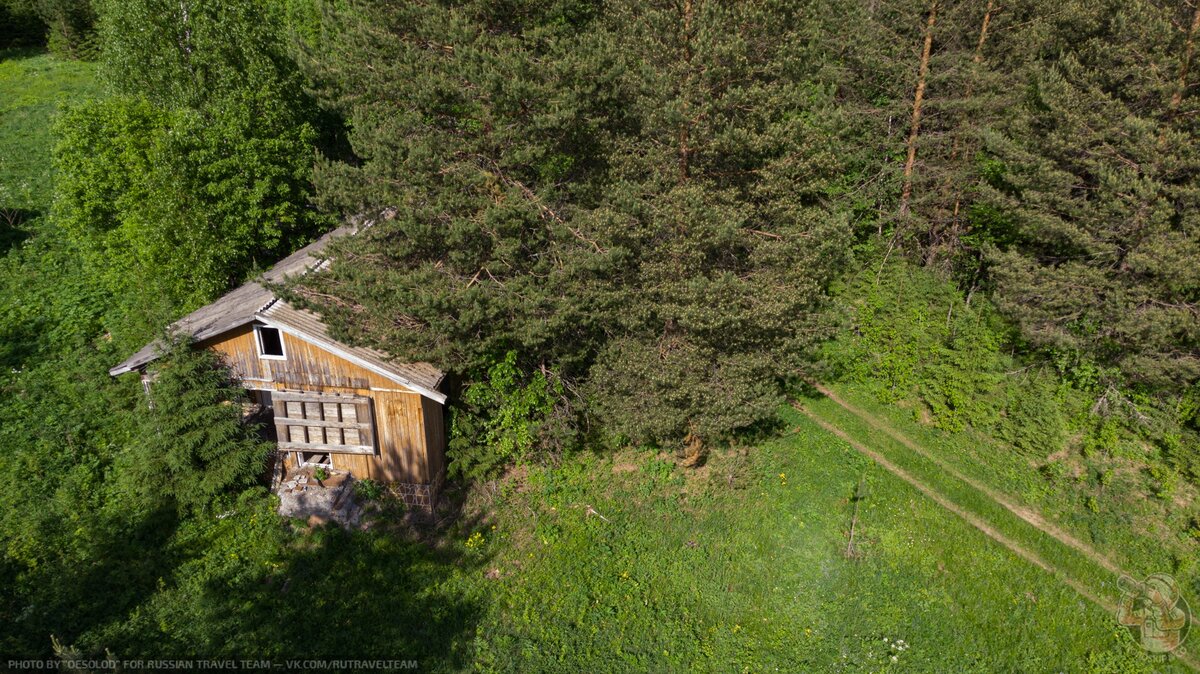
(615, 224)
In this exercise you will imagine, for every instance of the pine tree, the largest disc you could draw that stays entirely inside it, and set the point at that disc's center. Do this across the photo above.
(960, 85)
(721, 196)
(869, 52)
(1089, 204)
(477, 129)
(634, 199)
(193, 447)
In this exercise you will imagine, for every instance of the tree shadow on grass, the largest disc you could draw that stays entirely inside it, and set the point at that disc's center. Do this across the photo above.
(19, 343)
(803, 388)
(351, 595)
(114, 572)
(11, 232)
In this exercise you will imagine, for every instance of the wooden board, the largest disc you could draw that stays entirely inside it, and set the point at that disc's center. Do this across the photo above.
(409, 442)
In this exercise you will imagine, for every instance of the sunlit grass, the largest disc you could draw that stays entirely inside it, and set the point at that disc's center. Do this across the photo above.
(1117, 514)
(32, 87)
(691, 572)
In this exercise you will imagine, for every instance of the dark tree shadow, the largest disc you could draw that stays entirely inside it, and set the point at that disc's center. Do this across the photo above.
(11, 232)
(120, 570)
(349, 595)
(19, 343)
(798, 387)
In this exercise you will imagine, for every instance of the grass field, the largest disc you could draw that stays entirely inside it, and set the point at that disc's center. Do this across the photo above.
(1116, 513)
(630, 563)
(689, 573)
(32, 87)
(42, 292)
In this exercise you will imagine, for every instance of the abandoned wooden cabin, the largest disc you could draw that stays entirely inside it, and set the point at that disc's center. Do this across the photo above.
(327, 403)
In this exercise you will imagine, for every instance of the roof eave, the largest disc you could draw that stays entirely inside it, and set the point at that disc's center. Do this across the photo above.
(332, 347)
(120, 370)
(137, 361)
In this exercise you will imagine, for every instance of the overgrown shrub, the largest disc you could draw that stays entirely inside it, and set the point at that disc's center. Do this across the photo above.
(505, 416)
(912, 334)
(1181, 445)
(1033, 420)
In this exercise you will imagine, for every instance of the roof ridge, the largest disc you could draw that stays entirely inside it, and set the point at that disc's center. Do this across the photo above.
(240, 305)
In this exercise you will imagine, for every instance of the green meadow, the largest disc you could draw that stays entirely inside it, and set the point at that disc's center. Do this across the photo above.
(631, 563)
(32, 87)
(742, 565)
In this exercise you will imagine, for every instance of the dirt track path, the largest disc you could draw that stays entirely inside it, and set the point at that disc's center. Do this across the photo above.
(1032, 518)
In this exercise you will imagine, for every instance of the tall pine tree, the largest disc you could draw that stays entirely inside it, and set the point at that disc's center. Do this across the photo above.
(1091, 193)
(633, 200)
(721, 199)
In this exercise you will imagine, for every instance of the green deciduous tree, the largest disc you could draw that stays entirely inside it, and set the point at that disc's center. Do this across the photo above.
(184, 53)
(163, 201)
(200, 172)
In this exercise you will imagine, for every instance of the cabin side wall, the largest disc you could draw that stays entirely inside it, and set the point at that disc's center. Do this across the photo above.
(434, 417)
(408, 427)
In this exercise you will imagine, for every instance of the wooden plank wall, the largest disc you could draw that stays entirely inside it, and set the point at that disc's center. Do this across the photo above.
(435, 436)
(409, 429)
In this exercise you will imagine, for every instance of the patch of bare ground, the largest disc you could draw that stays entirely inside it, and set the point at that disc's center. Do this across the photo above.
(1074, 464)
(1059, 455)
(627, 460)
(624, 467)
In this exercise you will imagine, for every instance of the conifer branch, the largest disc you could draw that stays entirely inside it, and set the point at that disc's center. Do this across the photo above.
(537, 201)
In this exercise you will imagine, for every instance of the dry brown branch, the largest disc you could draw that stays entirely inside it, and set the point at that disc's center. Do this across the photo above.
(309, 293)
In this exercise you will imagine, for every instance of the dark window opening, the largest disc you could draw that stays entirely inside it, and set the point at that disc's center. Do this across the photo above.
(321, 459)
(270, 342)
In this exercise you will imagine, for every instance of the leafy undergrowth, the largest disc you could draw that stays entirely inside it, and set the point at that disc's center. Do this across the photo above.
(46, 306)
